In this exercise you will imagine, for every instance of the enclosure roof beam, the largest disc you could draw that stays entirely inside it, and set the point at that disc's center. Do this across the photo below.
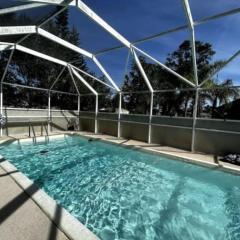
(97, 19)
(182, 27)
(46, 57)
(193, 41)
(47, 20)
(71, 75)
(79, 50)
(4, 47)
(21, 8)
(142, 71)
(91, 76)
(6, 43)
(83, 81)
(33, 53)
(165, 67)
(197, 22)
(53, 2)
(16, 30)
(169, 31)
(105, 73)
(64, 43)
(40, 55)
(91, 14)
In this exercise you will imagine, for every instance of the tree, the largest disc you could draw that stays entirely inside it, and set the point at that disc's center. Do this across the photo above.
(172, 102)
(61, 21)
(181, 60)
(219, 94)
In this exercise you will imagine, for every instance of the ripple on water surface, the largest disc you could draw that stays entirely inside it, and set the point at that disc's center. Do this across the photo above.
(121, 193)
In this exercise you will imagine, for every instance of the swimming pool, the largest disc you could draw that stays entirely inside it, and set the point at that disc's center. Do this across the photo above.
(121, 193)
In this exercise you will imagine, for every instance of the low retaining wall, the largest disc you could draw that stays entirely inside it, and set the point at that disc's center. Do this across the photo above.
(212, 136)
(19, 121)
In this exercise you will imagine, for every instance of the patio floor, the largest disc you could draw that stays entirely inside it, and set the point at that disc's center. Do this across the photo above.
(20, 216)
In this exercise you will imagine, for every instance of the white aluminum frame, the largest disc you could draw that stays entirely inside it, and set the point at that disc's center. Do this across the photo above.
(72, 77)
(17, 30)
(97, 19)
(49, 111)
(93, 91)
(21, 8)
(195, 68)
(144, 75)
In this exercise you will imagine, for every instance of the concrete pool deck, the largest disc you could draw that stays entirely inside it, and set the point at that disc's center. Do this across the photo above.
(23, 217)
(20, 217)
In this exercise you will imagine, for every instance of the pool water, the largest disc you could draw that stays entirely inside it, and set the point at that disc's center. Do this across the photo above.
(122, 193)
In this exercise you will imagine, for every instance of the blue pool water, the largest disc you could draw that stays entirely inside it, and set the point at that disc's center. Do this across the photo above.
(122, 193)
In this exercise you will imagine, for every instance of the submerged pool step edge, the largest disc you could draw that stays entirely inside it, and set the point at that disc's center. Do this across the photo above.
(68, 224)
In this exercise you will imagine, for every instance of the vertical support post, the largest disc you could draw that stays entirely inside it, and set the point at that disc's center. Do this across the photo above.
(96, 116)
(101, 68)
(150, 119)
(195, 68)
(29, 129)
(41, 129)
(49, 111)
(79, 104)
(195, 119)
(79, 110)
(119, 114)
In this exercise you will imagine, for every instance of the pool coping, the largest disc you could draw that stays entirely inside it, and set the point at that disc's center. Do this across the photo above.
(69, 225)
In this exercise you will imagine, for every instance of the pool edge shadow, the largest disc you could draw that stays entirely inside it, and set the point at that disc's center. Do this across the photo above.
(64, 221)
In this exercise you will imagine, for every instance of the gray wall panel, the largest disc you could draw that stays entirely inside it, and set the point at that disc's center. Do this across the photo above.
(170, 131)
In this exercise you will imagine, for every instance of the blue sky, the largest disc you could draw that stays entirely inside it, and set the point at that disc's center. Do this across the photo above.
(136, 19)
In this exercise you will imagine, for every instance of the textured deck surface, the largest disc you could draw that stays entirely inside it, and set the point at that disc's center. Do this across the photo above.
(20, 217)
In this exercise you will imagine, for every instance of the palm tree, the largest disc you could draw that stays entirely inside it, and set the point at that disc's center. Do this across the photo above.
(219, 94)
